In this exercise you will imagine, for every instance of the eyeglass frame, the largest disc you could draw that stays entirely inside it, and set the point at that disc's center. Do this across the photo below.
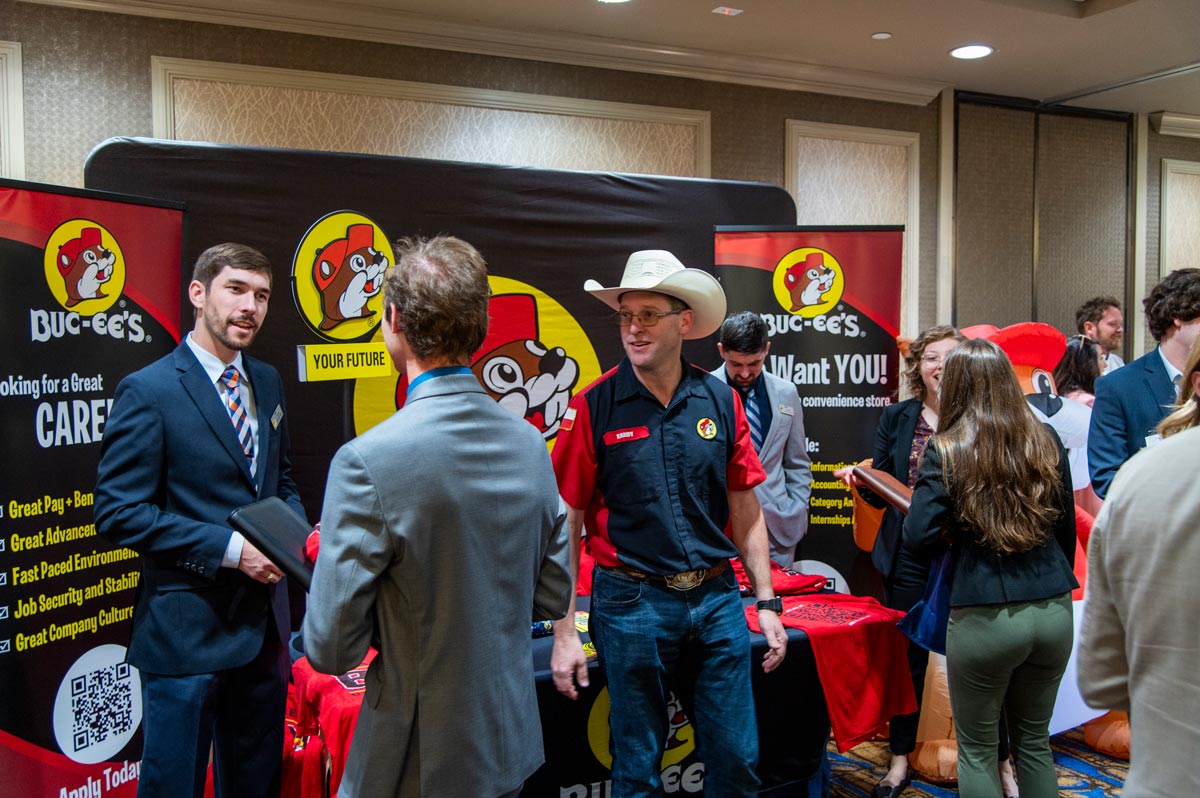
(625, 318)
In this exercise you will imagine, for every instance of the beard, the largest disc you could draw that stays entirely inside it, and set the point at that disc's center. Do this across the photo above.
(219, 329)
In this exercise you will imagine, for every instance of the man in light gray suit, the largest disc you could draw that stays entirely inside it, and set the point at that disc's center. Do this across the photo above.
(442, 538)
(774, 408)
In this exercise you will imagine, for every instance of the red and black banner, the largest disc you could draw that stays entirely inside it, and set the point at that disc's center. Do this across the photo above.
(831, 299)
(91, 292)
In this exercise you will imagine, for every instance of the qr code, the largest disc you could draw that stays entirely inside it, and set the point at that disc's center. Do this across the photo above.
(101, 705)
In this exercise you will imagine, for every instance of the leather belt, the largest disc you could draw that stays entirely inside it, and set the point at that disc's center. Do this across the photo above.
(685, 580)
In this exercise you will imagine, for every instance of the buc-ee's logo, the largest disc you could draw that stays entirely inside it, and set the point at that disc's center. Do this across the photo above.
(808, 282)
(85, 272)
(678, 774)
(337, 275)
(534, 356)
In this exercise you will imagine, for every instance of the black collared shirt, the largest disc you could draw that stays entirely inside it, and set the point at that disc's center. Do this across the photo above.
(653, 481)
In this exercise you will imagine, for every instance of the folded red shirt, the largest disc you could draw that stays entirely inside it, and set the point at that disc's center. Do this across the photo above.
(784, 581)
(861, 660)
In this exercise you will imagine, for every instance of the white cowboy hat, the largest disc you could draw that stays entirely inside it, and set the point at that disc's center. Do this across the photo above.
(659, 271)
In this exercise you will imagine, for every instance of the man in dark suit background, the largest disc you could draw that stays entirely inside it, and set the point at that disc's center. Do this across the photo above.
(1132, 400)
(190, 437)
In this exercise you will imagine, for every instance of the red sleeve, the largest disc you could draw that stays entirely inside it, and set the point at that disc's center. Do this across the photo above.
(743, 471)
(574, 455)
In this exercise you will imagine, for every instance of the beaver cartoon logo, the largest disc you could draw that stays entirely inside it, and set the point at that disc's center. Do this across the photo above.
(527, 378)
(534, 356)
(337, 275)
(348, 272)
(85, 266)
(808, 282)
(679, 745)
(524, 376)
(85, 269)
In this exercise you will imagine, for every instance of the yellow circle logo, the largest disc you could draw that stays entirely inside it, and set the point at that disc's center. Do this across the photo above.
(337, 275)
(534, 358)
(808, 282)
(706, 428)
(680, 734)
(85, 268)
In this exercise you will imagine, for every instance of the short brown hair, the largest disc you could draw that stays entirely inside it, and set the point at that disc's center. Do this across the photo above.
(1092, 310)
(439, 288)
(236, 256)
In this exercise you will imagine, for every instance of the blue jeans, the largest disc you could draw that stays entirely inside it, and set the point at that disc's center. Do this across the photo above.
(651, 639)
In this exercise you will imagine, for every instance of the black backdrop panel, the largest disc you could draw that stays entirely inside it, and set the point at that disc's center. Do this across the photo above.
(550, 228)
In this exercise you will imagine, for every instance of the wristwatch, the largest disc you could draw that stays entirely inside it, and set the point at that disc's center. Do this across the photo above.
(775, 605)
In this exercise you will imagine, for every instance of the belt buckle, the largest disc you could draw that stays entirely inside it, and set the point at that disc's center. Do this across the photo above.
(685, 580)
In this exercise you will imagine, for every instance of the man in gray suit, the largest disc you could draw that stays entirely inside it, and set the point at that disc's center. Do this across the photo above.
(776, 428)
(442, 537)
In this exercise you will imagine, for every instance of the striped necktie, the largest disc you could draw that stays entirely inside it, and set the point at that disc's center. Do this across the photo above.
(756, 432)
(231, 379)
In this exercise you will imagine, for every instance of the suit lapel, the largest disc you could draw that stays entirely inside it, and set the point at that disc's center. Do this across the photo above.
(204, 395)
(265, 402)
(773, 401)
(1159, 382)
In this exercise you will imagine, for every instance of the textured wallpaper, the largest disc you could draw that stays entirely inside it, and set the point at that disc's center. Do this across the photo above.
(1183, 222)
(850, 182)
(258, 115)
(994, 210)
(77, 96)
(1160, 147)
(1082, 214)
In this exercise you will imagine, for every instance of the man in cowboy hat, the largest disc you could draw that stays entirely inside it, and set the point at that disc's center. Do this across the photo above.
(655, 458)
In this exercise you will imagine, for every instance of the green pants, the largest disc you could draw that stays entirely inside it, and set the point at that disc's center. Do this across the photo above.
(1012, 655)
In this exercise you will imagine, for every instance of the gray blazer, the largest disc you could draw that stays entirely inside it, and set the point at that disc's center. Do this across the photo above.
(784, 456)
(1137, 644)
(442, 538)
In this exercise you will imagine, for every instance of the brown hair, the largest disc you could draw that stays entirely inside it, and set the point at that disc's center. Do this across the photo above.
(1176, 297)
(1000, 463)
(1187, 410)
(1093, 310)
(236, 256)
(912, 360)
(439, 289)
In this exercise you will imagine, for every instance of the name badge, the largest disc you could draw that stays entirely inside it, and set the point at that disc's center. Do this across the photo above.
(787, 410)
(616, 436)
(276, 417)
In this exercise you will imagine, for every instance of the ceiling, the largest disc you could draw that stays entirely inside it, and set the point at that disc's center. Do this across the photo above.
(1125, 55)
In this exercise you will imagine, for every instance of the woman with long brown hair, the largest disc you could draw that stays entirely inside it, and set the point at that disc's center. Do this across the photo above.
(904, 428)
(995, 485)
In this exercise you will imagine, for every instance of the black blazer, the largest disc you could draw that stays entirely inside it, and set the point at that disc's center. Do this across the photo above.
(893, 442)
(982, 575)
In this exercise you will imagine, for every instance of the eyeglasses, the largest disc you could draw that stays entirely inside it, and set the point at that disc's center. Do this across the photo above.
(931, 360)
(645, 318)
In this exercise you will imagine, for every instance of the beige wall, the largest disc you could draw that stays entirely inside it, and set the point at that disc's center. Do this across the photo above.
(87, 77)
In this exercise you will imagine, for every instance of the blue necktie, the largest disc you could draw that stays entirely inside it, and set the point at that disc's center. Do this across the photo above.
(231, 378)
(756, 432)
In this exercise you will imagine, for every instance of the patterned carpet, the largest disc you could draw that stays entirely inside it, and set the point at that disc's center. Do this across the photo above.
(1082, 772)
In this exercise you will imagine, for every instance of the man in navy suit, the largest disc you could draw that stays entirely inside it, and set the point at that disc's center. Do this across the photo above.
(1132, 400)
(192, 436)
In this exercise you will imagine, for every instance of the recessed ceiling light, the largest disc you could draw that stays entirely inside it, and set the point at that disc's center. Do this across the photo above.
(614, 1)
(881, 36)
(971, 51)
(726, 11)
